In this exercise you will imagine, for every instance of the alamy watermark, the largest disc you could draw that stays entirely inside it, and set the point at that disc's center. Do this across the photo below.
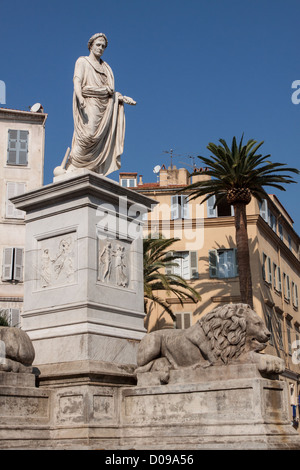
(296, 352)
(296, 94)
(2, 92)
(128, 221)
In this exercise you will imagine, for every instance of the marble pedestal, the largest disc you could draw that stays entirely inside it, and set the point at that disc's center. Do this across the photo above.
(83, 284)
(24, 412)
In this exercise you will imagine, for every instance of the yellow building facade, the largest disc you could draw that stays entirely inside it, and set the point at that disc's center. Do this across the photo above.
(207, 258)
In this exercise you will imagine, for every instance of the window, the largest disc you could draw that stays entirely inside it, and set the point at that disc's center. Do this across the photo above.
(223, 209)
(289, 337)
(276, 277)
(290, 242)
(267, 215)
(17, 149)
(12, 316)
(12, 266)
(183, 320)
(179, 207)
(263, 209)
(280, 230)
(279, 331)
(187, 262)
(286, 287)
(269, 325)
(272, 220)
(128, 182)
(266, 269)
(14, 189)
(295, 294)
(223, 263)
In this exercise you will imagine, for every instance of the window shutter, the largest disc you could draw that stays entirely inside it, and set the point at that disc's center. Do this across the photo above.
(7, 265)
(186, 320)
(279, 287)
(178, 321)
(10, 192)
(288, 287)
(213, 263)
(174, 208)
(280, 230)
(169, 270)
(185, 207)
(14, 189)
(263, 209)
(185, 263)
(23, 147)
(17, 149)
(12, 147)
(194, 274)
(295, 295)
(183, 320)
(14, 317)
(269, 271)
(18, 264)
(211, 211)
(264, 258)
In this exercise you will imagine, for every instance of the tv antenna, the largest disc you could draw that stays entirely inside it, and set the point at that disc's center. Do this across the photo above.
(192, 160)
(170, 152)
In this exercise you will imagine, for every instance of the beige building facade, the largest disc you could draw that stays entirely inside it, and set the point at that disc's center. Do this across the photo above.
(207, 258)
(22, 143)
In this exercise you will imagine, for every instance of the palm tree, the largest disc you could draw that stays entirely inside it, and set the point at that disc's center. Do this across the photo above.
(237, 174)
(3, 320)
(156, 259)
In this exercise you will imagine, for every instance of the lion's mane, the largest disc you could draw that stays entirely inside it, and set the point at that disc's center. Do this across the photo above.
(225, 329)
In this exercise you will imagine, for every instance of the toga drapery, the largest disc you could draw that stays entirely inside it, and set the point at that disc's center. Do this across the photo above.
(99, 128)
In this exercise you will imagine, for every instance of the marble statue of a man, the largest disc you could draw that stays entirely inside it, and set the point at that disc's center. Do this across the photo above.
(98, 112)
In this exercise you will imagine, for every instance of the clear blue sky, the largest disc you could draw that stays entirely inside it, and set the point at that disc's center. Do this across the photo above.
(200, 70)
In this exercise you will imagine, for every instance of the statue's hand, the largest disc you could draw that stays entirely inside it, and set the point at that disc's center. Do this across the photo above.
(127, 100)
(82, 103)
(110, 91)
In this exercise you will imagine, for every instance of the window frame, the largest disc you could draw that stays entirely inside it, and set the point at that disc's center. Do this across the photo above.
(18, 148)
(214, 266)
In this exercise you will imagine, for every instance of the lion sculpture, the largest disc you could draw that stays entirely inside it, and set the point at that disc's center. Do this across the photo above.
(16, 350)
(228, 334)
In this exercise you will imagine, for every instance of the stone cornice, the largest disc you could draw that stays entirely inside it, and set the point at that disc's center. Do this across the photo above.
(22, 116)
(85, 183)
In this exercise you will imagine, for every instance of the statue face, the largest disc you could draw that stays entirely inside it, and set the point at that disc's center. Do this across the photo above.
(98, 47)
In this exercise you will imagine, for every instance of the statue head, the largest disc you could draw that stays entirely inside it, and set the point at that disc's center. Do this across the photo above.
(95, 36)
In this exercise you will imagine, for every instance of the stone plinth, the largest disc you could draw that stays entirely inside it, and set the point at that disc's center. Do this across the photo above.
(83, 295)
(24, 412)
(227, 407)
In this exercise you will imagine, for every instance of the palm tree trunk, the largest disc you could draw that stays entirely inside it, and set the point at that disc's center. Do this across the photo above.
(243, 257)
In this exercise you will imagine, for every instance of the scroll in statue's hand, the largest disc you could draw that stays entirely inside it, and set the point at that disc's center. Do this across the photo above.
(127, 100)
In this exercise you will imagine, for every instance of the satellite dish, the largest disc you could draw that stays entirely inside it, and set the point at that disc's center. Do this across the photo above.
(156, 169)
(36, 107)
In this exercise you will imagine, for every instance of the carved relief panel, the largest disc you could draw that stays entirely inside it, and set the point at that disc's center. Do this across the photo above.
(57, 265)
(113, 262)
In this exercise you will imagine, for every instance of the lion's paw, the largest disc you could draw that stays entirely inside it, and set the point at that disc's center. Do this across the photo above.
(270, 364)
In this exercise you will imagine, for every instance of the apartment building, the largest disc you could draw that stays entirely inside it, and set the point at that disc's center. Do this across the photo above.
(22, 142)
(207, 258)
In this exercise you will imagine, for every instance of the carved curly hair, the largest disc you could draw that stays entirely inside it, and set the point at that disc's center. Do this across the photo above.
(225, 328)
(95, 36)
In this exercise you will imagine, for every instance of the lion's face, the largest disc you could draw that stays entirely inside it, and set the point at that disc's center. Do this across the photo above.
(257, 335)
